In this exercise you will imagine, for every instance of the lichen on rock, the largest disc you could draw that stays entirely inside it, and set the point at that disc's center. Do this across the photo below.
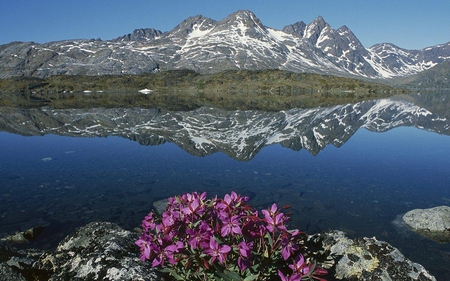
(367, 259)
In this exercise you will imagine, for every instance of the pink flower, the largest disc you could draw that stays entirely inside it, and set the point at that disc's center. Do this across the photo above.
(299, 265)
(144, 242)
(231, 226)
(289, 247)
(197, 237)
(216, 251)
(149, 222)
(245, 249)
(274, 219)
(294, 277)
(167, 254)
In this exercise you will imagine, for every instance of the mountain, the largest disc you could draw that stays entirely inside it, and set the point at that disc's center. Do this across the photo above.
(239, 41)
(239, 134)
(142, 34)
(437, 77)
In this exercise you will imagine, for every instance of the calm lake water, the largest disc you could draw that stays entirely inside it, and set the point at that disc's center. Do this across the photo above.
(354, 167)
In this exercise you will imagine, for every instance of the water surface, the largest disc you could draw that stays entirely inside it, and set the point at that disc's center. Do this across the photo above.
(354, 167)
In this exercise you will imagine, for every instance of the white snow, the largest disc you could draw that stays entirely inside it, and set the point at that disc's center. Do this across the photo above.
(145, 91)
(278, 34)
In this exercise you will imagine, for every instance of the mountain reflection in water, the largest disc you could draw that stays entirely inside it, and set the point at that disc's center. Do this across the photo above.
(62, 182)
(239, 134)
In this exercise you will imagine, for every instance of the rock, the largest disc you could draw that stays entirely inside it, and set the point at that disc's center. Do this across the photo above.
(24, 236)
(98, 251)
(142, 34)
(17, 238)
(8, 274)
(105, 251)
(433, 223)
(18, 265)
(160, 205)
(367, 259)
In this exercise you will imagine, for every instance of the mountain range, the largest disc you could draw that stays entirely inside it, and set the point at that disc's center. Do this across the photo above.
(239, 41)
(239, 134)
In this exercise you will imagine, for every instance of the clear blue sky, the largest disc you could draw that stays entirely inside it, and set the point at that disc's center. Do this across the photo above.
(410, 24)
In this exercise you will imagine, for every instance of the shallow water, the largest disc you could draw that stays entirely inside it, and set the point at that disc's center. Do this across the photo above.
(349, 168)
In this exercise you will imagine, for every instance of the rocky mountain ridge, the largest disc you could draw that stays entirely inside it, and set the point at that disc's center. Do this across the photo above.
(240, 41)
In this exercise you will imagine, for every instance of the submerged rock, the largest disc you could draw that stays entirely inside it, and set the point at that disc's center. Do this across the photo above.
(160, 205)
(24, 236)
(367, 259)
(432, 223)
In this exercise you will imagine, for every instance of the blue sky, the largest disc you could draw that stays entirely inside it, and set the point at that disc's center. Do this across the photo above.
(410, 24)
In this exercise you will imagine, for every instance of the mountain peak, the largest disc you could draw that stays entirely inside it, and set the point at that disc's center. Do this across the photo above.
(142, 34)
(296, 28)
(187, 26)
(343, 28)
(315, 28)
(246, 17)
(242, 19)
(319, 21)
(344, 31)
(247, 13)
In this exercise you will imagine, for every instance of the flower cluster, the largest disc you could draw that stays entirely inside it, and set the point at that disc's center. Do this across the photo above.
(211, 239)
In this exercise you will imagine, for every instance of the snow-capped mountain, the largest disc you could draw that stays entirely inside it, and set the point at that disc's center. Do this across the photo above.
(240, 41)
(239, 134)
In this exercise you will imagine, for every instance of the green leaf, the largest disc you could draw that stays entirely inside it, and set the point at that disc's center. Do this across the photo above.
(266, 253)
(164, 270)
(233, 275)
(177, 276)
(251, 277)
(223, 276)
(269, 237)
(171, 272)
(197, 223)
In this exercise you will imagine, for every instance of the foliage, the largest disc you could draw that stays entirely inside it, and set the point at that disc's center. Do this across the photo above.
(269, 90)
(224, 239)
(268, 81)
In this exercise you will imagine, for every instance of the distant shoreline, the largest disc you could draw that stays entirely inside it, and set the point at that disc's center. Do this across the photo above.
(186, 89)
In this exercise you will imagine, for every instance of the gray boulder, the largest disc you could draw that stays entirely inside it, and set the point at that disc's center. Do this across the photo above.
(21, 265)
(433, 223)
(97, 251)
(8, 273)
(367, 259)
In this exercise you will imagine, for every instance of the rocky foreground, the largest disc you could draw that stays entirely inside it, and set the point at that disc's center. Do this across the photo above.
(105, 251)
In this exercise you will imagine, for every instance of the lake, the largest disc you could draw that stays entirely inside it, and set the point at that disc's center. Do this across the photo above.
(353, 167)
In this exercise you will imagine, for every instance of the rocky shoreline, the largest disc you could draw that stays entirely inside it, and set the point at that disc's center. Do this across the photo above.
(105, 251)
